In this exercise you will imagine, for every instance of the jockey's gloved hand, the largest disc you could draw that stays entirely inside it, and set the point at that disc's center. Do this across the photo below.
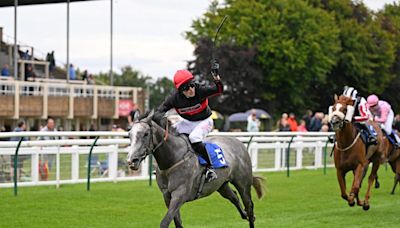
(214, 67)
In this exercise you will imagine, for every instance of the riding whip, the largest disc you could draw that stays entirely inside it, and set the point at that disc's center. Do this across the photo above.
(216, 35)
(214, 62)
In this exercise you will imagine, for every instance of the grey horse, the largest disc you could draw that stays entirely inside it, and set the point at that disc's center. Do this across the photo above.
(179, 175)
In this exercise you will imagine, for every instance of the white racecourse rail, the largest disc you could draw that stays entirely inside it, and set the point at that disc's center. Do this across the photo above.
(67, 156)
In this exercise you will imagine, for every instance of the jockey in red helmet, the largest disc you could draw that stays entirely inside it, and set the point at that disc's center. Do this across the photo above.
(190, 100)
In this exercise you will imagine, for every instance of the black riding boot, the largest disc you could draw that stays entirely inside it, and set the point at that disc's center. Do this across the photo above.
(200, 148)
(396, 142)
(371, 135)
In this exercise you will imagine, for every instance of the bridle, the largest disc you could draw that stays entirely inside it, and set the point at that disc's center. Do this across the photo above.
(341, 123)
(148, 148)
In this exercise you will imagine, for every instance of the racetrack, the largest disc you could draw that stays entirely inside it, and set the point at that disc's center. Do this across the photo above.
(306, 199)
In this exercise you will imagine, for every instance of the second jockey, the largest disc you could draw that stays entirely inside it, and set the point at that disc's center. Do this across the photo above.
(384, 115)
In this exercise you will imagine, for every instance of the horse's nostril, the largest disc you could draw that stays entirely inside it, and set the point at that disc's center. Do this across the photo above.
(129, 162)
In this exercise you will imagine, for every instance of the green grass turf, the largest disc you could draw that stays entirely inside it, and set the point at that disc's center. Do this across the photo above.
(306, 199)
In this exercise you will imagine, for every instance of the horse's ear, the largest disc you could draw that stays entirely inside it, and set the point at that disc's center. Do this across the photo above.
(150, 116)
(336, 97)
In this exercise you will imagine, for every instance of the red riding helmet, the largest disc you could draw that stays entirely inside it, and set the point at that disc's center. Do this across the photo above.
(181, 77)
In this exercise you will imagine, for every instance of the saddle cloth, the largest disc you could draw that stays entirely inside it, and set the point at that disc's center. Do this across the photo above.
(389, 136)
(216, 155)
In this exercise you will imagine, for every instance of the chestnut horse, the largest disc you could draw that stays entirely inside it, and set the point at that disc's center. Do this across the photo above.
(394, 161)
(351, 154)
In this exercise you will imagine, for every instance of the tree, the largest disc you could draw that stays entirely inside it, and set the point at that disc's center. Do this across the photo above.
(366, 52)
(240, 74)
(159, 90)
(293, 45)
(389, 19)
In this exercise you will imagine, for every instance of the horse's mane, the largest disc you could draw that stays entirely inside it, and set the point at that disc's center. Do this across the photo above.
(161, 121)
(344, 100)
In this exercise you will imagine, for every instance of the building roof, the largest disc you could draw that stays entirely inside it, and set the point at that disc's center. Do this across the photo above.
(7, 3)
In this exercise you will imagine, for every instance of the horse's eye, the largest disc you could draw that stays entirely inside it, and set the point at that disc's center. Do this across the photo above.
(146, 134)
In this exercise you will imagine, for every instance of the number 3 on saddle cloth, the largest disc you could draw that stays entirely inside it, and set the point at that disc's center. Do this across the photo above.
(216, 156)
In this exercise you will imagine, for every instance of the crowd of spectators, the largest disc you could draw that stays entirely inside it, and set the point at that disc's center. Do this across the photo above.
(31, 73)
(310, 121)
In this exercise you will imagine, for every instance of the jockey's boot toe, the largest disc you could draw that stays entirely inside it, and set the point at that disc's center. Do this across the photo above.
(372, 140)
(331, 138)
(210, 175)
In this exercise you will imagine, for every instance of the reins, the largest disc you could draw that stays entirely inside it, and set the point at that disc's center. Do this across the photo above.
(155, 148)
(160, 143)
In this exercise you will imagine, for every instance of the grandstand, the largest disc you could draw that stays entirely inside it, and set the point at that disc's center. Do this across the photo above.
(74, 104)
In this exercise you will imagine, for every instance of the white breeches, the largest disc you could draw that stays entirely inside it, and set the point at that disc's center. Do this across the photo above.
(387, 126)
(197, 130)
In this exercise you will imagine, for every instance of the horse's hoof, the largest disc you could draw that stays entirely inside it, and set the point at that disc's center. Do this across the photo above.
(377, 185)
(351, 204)
(366, 207)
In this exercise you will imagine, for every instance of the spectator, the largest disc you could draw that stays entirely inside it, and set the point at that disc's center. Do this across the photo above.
(90, 80)
(253, 124)
(92, 128)
(307, 118)
(72, 73)
(5, 71)
(25, 55)
(292, 122)
(52, 62)
(324, 128)
(85, 76)
(283, 124)
(117, 128)
(47, 159)
(302, 127)
(50, 126)
(20, 127)
(316, 122)
(29, 73)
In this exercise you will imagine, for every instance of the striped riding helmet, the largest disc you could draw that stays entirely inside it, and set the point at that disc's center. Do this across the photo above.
(350, 92)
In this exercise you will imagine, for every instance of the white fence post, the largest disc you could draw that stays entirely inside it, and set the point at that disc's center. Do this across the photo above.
(299, 154)
(113, 163)
(58, 167)
(75, 164)
(318, 154)
(278, 155)
(144, 172)
(35, 167)
(253, 152)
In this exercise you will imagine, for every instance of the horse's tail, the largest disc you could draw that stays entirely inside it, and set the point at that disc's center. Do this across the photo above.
(258, 184)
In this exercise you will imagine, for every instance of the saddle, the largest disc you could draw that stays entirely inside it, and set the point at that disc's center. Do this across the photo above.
(390, 137)
(215, 153)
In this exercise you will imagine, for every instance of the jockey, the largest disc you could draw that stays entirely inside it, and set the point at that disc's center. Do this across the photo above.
(190, 101)
(384, 115)
(361, 113)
